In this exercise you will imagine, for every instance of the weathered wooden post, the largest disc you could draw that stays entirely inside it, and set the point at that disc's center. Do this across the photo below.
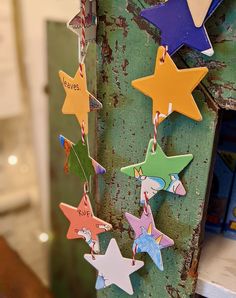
(126, 50)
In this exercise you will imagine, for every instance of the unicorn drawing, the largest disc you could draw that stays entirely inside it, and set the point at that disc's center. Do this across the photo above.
(152, 185)
(101, 282)
(87, 235)
(176, 185)
(147, 243)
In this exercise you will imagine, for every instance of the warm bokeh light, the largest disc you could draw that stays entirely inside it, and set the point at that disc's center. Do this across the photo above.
(12, 160)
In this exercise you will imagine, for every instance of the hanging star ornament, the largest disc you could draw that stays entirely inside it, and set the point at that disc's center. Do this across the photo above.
(83, 223)
(175, 22)
(78, 101)
(145, 221)
(171, 88)
(75, 25)
(113, 268)
(78, 159)
(159, 172)
(147, 238)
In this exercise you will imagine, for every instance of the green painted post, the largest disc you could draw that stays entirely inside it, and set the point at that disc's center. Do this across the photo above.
(126, 51)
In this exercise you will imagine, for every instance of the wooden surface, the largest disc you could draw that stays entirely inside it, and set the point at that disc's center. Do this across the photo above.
(217, 268)
(126, 52)
(16, 279)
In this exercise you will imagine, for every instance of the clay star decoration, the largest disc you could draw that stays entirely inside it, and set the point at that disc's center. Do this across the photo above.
(78, 101)
(79, 161)
(147, 238)
(171, 88)
(113, 268)
(158, 172)
(198, 10)
(175, 22)
(83, 223)
(145, 221)
(75, 24)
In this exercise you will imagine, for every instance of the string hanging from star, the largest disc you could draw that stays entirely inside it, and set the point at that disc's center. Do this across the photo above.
(78, 101)
(84, 25)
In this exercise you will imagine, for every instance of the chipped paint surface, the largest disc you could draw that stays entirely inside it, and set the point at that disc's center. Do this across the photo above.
(124, 130)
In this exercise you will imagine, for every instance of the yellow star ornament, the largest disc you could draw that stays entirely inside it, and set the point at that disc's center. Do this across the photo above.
(171, 88)
(78, 101)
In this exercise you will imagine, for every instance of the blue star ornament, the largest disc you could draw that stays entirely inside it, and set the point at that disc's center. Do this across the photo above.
(175, 22)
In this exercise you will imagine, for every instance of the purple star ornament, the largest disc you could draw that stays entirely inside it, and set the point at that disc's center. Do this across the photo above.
(175, 22)
(138, 224)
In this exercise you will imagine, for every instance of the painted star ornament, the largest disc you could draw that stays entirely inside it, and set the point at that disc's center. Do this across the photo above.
(145, 221)
(159, 172)
(83, 223)
(147, 238)
(75, 25)
(78, 101)
(78, 159)
(170, 88)
(177, 27)
(113, 268)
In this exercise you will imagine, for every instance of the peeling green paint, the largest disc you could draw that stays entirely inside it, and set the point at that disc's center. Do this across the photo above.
(124, 132)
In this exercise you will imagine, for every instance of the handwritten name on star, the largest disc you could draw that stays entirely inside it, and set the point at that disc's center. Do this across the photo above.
(84, 213)
(70, 86)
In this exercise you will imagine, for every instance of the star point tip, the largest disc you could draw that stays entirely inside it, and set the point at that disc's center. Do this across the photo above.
(209, 52)
(61, 205)
(61, 140)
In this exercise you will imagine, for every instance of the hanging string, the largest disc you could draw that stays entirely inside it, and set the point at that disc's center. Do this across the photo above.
(146, 203)
(85, 195)
(82, 52)
(134, 253)
(156, 124)
(83, 42)
(92, 251)
(164, 54)
(83, 133)
(67, 147)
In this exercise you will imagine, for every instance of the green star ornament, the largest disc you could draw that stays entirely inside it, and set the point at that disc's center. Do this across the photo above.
(159, 172)
(78, 160)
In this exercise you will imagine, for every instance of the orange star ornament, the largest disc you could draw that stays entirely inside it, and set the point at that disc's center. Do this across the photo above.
(83, 223)
(78, 101)
(171, 88)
